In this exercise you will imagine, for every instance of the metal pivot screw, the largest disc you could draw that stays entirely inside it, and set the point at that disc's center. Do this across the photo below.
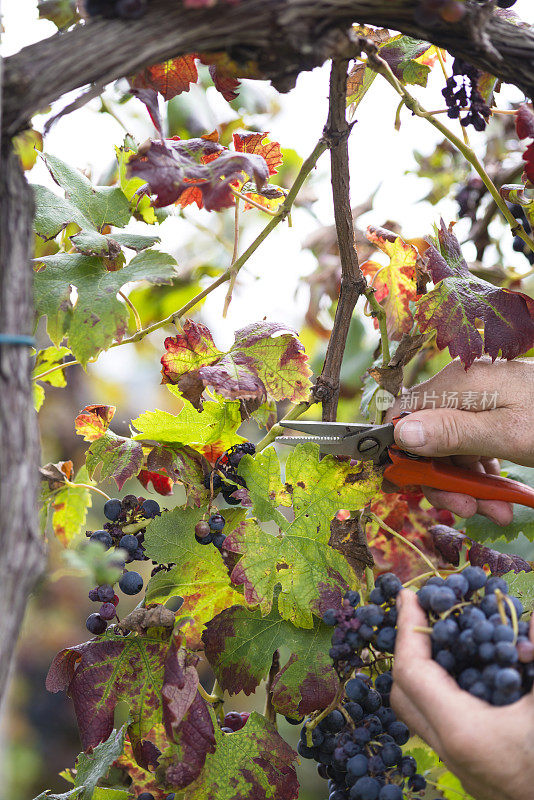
(368, 445)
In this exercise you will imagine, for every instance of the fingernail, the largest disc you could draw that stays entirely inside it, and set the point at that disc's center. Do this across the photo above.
(412, 433)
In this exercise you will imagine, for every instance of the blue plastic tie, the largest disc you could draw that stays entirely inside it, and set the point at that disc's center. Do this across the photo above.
(13, 338)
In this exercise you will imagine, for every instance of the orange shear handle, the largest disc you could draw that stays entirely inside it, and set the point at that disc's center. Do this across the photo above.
(406, 472)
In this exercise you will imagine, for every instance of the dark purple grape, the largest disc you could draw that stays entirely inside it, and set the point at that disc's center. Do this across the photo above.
(95, 624)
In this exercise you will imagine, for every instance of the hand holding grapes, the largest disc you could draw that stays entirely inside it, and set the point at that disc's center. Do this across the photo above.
(497, 423)
(490, 749)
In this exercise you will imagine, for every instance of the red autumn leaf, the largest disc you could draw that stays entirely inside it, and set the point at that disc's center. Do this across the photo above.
(171, 167)
(162, 483)
(150, 99)
(93, 421)
(170, 78)
(265, 359)
(448, 542)
(460, 300)
(253, 143)
(99, 673)
(227, 85)
(524, 121)
(180, 686)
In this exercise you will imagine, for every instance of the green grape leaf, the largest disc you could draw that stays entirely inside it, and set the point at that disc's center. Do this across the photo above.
(253, 763)
(521, 584)
(313, 576)
(89, 207)
(38, 396)
(72, 794)
(262, 476)
(90, 767)
(48, 358)
(200, 576)
(70, 505)
(102, 205)
(266, 359)
(239, 644)
(410, 60)
(62, 13)
(481, 529)
(115, 456)
(459, 301)
(97, 317)
(318, 487)
(210, 431)
(111, 668)
(105, 793)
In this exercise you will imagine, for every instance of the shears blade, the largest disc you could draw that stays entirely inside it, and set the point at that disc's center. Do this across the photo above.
(357, 440)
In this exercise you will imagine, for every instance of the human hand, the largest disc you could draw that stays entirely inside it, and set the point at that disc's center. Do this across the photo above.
(490, 749)
(473, 438)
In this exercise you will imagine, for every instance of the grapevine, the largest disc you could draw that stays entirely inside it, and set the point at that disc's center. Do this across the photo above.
(239, 626)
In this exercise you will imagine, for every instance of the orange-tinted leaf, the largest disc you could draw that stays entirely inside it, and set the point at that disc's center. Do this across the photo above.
(162, 484)
(170, 167)
(170, 78)
(270, 197)
(93, 421)
(225, 84)
(142, 780)
(253, 143)
(394, 283)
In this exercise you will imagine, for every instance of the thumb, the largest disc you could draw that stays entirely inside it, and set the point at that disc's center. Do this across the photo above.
(449, 431)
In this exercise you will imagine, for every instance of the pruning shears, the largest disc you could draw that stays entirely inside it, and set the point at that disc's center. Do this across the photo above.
(365, 442)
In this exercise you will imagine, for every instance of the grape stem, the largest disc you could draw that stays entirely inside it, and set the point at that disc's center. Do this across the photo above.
(87, 486)
(137, 318)
(324, 713)
(135, 527)
(371, 516)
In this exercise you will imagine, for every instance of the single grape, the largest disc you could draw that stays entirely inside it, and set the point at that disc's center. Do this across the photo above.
(145, 796)
(131, 583)
(293, 721)
(216, 522)
(365, 788)
(205, 539)
(219, 540)
(330, 616)
(107, 611)
(112, 509)
(150, 509)
(131, 9)
(129, 502)
(106, 593)
(390, 792)
(93, 595)
(95, 624)
(103, 537)
(129, 543)
(202, 529)
(234, 720)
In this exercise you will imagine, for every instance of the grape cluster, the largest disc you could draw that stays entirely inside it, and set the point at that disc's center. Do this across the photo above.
(211, 532)
(461, 92)
(358, 746)
(124, 516)
(478, 636)
(234, 720)
(224, 477)
(112, 9)
(519, 245)
(364, 626)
